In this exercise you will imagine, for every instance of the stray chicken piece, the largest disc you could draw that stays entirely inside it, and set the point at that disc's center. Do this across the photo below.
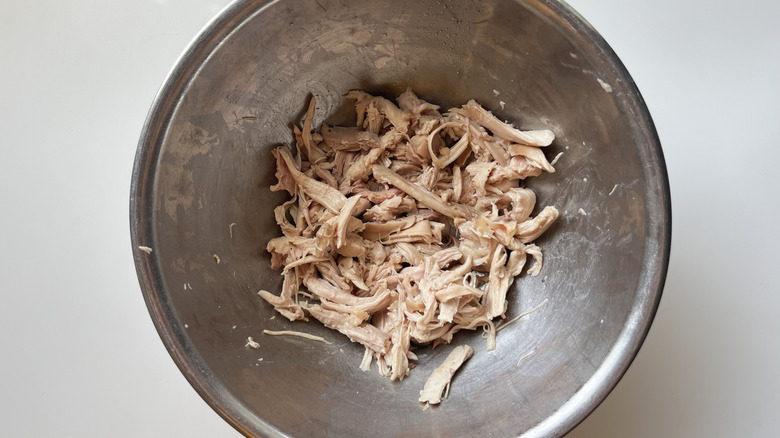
(408, 227)
(252, 343)
(294, 333)
(442, 376)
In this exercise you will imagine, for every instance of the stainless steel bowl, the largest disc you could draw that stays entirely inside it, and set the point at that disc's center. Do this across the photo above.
(200, 189)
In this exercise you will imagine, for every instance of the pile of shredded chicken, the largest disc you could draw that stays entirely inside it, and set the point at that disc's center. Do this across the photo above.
(408, 227)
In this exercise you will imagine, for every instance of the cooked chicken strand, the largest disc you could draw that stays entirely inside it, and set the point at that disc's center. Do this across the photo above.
(442, 376)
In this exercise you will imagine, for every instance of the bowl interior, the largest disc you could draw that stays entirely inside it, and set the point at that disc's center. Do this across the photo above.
(201, 201)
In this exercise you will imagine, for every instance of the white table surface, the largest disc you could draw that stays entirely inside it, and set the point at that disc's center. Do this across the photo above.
(81, 358)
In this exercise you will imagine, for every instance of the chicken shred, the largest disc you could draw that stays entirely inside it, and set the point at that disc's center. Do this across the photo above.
(408, 227)
(442, 376)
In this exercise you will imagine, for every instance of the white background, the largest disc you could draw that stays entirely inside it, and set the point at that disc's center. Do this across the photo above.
(79, 355)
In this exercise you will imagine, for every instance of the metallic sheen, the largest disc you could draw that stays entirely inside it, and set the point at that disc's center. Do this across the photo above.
(200, 201)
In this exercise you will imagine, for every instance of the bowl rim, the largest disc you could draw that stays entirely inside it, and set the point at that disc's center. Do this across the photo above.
(192, 366)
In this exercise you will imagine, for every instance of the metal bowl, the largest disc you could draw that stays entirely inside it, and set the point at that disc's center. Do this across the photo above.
(200, 200)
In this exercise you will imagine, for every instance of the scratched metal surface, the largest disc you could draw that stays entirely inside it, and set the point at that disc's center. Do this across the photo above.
(200, 188)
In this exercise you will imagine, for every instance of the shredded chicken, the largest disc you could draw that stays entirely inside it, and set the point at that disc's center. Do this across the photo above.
(292, 333)
(408, 227)
(252, 343)
(442, 376)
